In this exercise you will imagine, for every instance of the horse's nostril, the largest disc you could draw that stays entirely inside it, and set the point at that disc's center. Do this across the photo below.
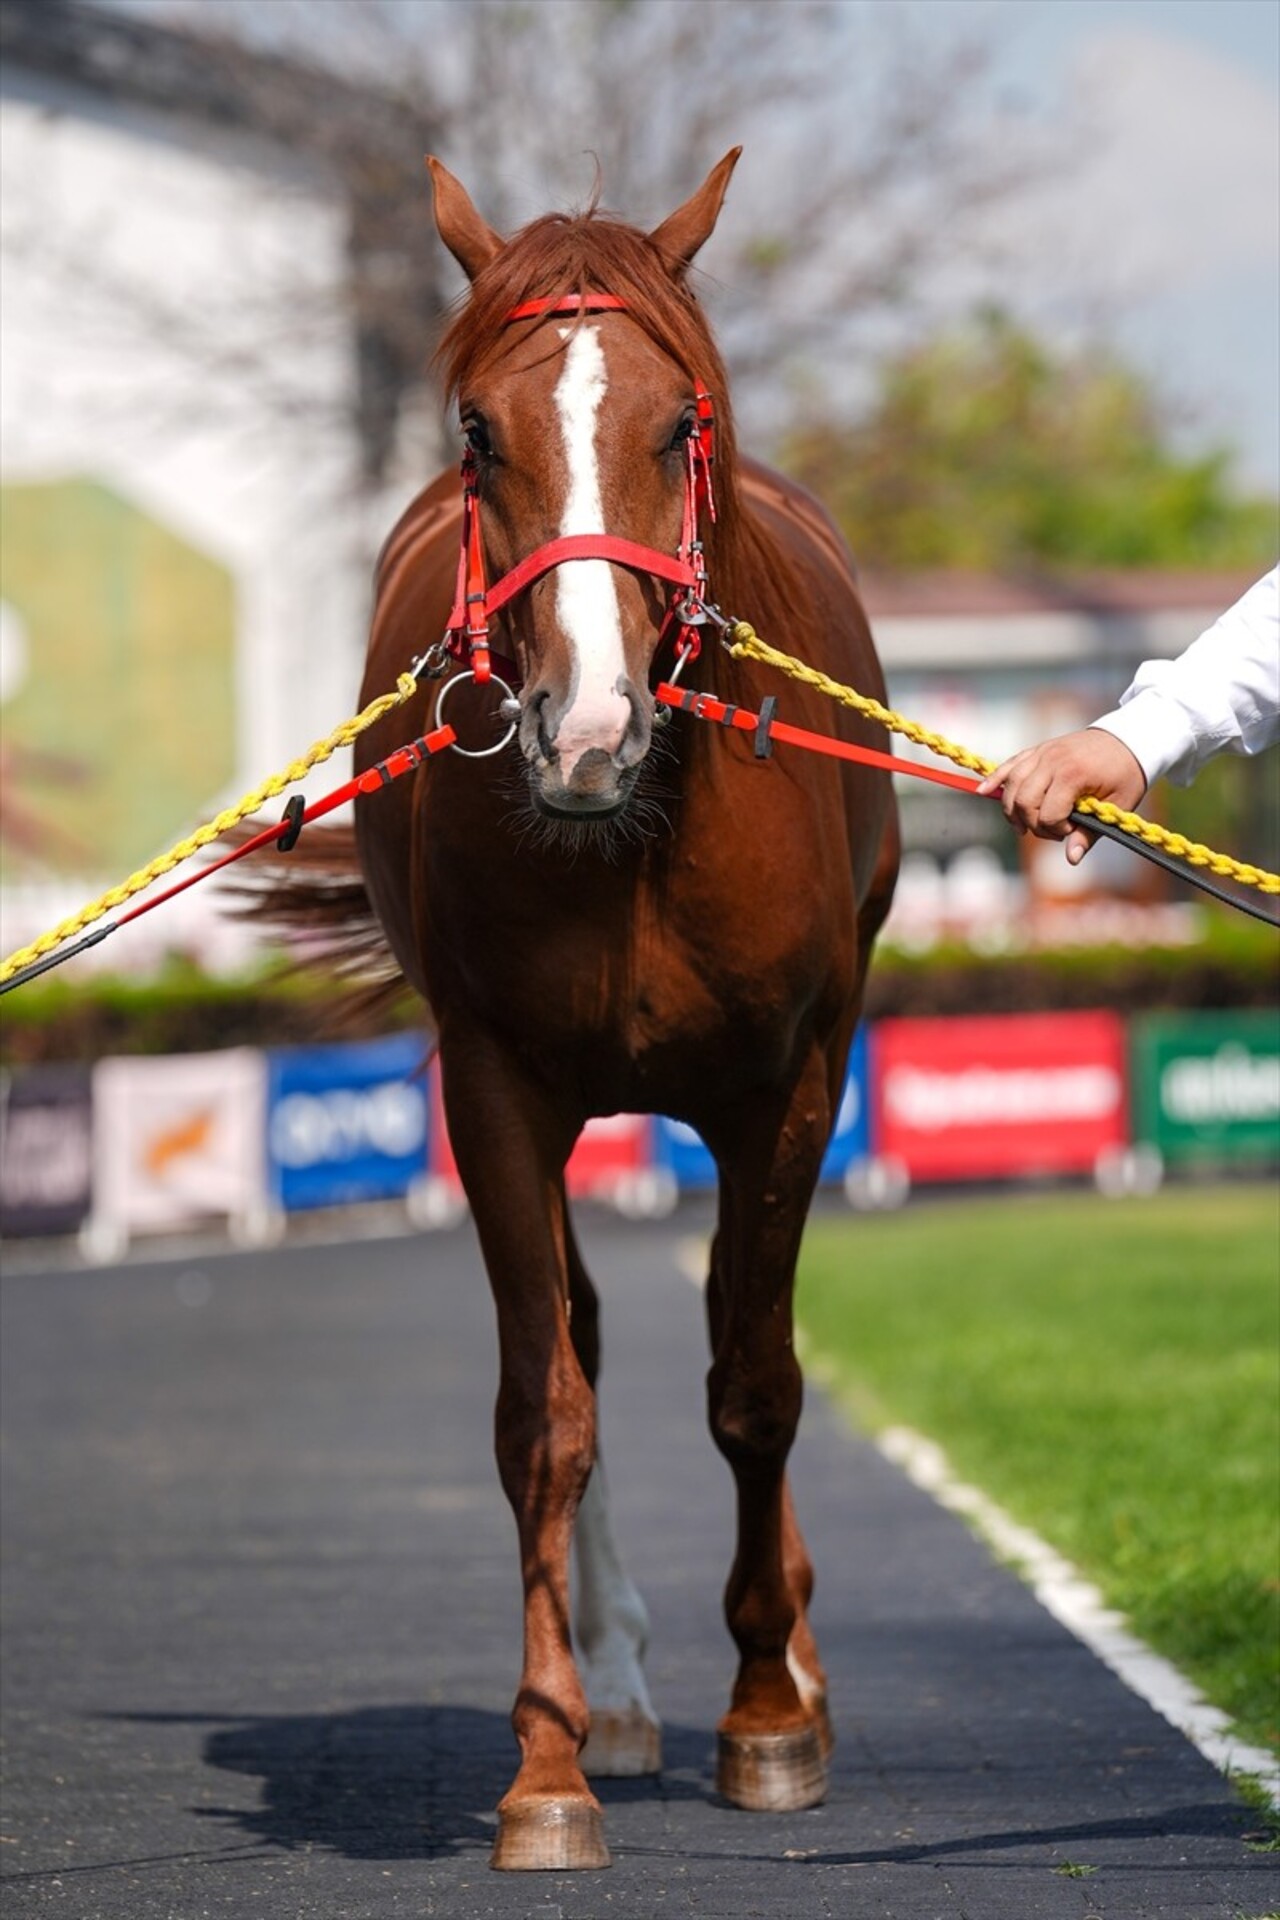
(635, 741)
(537, 727)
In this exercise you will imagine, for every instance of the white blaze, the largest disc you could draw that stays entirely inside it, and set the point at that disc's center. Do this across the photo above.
(586, 596)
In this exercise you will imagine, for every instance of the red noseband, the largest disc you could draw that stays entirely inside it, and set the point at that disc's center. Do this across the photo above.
(475, 603)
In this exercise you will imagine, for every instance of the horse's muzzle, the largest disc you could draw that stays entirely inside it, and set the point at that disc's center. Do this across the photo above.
(596, 780)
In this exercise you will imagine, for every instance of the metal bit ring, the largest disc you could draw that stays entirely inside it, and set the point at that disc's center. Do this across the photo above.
(494, 680)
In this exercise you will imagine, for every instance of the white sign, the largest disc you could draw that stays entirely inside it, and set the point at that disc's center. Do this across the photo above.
(178, 1140)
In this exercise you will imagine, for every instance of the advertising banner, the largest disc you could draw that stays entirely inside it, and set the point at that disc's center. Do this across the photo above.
(443, 1166)
(46, 1150)
(611, 1151)
(179, 1139)
(679, 1149)
(851, 1135)
(1013, 1095)
(347, 1122)
(1207, 1086)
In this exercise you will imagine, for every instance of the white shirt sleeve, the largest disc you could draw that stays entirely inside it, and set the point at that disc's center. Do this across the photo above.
(1222, 693)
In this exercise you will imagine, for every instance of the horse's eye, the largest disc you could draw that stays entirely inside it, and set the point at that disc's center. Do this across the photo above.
(476, 435)
(684, 432)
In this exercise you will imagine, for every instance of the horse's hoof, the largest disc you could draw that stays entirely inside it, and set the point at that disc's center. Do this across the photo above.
(622, 1743)
(772, 1772)
(550, 1834)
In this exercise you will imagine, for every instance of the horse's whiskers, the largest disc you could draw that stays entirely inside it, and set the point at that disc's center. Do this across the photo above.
(646, 815)
(606, 839)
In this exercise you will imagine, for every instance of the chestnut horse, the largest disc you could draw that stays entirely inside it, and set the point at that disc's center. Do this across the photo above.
(625, 911)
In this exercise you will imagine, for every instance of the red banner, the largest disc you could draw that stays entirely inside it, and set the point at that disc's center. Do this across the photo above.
(609, 1151)
(1018, 1094)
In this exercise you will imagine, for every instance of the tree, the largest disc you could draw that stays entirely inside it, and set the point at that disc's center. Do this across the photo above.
(874, 153)
(986, 448)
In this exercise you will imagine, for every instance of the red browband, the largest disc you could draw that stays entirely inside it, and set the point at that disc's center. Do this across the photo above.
(475, 602)
(567, 303)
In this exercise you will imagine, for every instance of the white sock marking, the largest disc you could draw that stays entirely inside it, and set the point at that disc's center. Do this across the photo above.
(611, 1624)
(586, 597)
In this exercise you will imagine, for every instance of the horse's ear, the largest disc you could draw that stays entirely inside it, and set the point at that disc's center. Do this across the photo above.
(472, 243)
(685, 230)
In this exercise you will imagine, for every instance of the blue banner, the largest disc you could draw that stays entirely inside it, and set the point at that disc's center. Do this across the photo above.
(851, 1135)
(679, 1149)
(347, 1122)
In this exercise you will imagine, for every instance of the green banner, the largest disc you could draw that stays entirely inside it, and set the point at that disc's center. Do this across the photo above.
(1206, 1086)
(117, 681)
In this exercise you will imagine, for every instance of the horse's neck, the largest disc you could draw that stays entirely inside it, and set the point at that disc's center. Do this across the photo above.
(753, 574)
(769, 497)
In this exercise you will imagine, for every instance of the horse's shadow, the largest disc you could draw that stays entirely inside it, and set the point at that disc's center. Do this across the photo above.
(423, 1782)
(394, 1783)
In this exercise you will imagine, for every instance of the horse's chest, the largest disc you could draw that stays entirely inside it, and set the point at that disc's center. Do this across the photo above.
(627, 992)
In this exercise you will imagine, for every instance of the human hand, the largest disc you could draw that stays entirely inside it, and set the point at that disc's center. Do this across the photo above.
(1040, 786)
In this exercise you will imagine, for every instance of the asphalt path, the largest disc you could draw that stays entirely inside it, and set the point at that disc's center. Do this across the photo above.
(261, 1629)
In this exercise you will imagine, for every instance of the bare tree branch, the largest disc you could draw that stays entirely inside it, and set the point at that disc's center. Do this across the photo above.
(874, 156)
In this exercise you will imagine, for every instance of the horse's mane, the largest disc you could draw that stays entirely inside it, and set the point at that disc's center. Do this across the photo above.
(592, 252)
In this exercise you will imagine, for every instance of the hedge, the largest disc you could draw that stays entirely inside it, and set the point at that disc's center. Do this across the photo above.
(182, 1010)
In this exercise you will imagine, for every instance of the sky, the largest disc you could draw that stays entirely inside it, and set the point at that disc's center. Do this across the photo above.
(1172, 219)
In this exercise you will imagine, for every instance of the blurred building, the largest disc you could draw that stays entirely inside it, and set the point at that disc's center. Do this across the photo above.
(199, 405)
(998, 664)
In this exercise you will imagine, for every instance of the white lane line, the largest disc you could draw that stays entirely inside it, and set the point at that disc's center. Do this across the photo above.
(1074, 1601)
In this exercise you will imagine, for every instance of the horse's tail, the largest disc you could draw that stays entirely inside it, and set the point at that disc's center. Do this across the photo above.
(313, 902)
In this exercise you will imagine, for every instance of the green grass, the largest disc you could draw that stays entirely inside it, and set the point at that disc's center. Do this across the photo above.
(1110, 1373)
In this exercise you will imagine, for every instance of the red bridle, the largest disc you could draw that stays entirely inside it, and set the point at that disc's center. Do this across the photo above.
(475, 602)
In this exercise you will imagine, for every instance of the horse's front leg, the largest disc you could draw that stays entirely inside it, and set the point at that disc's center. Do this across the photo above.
(803, 1659)
(511, 1144)
(773, 1740)
(611, 1623)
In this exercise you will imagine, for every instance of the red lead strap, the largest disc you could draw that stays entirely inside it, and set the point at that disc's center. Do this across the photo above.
(766, 729)
(281, 833)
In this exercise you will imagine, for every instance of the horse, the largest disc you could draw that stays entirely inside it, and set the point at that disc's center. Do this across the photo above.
(622, 911)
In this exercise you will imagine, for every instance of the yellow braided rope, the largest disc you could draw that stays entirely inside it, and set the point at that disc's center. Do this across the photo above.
(745, 643)
(213, 829)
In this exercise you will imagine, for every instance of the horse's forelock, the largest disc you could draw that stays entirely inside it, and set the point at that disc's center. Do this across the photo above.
(562, 254)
